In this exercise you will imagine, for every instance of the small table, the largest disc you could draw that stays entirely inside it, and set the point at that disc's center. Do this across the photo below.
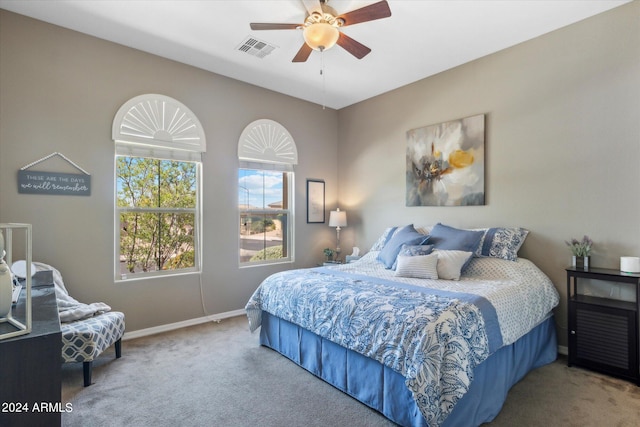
(603, 332)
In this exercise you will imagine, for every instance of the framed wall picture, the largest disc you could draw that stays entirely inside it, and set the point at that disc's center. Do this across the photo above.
(315, 201)
(445, 163)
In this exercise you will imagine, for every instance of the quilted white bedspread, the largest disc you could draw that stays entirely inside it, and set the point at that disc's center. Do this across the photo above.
(520, 292)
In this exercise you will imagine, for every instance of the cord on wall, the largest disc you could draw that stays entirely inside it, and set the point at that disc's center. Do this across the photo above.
(204, 308)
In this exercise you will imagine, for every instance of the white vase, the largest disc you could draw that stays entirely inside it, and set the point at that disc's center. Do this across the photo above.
(6, 290)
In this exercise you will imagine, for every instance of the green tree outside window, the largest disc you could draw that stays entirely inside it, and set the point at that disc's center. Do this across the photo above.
(157, 205)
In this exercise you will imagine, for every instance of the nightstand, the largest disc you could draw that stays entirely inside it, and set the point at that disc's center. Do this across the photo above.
(603, 332)
(331, 263)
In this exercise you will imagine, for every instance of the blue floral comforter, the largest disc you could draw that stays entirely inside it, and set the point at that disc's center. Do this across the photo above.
(434, 338)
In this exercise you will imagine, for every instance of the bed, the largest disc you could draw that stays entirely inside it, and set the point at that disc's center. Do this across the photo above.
(427, 329)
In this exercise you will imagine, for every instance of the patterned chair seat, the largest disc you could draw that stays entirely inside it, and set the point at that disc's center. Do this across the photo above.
(84, 340)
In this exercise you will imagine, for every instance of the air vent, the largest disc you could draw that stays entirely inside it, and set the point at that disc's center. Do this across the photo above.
(256, 47)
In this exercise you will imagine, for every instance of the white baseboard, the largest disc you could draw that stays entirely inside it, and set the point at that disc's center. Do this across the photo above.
(173, 326)
(562, 349)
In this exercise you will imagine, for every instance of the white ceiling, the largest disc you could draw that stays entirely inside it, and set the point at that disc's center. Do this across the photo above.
(421, 38)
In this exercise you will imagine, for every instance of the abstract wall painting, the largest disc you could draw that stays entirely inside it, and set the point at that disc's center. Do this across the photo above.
(445, 163)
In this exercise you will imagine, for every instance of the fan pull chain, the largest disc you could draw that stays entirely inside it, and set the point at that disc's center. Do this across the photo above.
(324, 86)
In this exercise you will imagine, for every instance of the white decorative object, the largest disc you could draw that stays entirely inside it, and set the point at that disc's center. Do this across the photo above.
(6, 287)
(6, 250)
(630, 264)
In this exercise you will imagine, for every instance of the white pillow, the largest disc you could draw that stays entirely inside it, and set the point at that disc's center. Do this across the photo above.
(450, 263)
(418, 266)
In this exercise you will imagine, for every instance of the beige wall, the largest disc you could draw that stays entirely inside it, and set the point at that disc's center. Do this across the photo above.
(562, 145)
(562, 154)
(60, 91)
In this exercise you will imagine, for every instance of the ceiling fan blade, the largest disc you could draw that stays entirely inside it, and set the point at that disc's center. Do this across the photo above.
(303, 53)
(265, 26)
(355, 48)
(372, 12)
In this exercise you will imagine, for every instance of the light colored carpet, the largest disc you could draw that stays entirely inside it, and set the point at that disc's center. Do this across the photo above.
(217, 375)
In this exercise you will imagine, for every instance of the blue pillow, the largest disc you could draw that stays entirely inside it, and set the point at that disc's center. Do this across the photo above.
(453, 239)
(406, 235)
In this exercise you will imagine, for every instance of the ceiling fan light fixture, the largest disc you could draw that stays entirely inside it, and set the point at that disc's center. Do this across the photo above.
(321, 28)
(320, 36)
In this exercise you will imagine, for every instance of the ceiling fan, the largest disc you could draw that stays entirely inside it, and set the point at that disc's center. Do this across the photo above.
(321, 28)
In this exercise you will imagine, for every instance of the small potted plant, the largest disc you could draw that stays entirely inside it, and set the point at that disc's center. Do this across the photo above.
(328, 253)
(581, 250)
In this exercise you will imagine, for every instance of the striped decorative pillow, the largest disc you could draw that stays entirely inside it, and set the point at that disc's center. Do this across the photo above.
(418, 266)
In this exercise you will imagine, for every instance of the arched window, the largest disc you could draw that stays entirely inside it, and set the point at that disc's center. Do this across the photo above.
(158, 147)
(267, 155)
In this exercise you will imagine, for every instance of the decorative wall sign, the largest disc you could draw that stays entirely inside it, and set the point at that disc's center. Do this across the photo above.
(56, 183)
(315, 201)
(445, 164)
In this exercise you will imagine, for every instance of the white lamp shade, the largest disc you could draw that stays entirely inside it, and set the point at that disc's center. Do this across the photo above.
(337, 218)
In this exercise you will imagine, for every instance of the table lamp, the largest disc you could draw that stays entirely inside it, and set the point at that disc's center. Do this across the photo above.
(337, 219)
